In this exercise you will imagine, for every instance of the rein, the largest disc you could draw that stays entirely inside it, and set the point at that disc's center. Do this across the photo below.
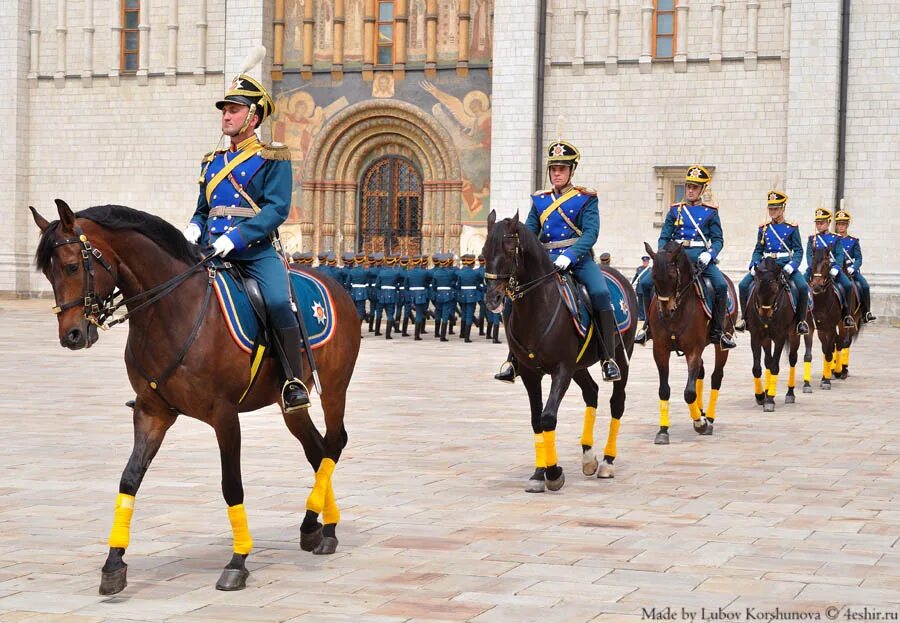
(783, 288)
(679, 293)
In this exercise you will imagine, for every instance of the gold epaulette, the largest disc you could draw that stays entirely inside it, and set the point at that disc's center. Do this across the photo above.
(211, 155)
(586, 191)
(710, 206)
(791, 223)
(275, 151)
(542, 192)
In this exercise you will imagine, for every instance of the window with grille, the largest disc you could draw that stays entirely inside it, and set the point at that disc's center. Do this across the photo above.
(391, 208)
(384, 28)
(664, 26)
(130, 43)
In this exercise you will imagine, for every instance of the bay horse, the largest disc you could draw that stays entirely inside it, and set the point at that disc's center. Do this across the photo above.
(543, 338)
(770, 321)
(678, 323)
(835, 338)
(180, 358)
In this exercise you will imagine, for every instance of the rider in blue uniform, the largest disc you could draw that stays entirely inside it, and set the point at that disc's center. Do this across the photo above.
(853, 261)
(566, 219)
(780, 240)
(696, 226)
(469, 280)
(825, 238)
(245, 194)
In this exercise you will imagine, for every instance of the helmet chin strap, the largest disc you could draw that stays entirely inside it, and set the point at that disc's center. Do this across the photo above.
(250, 114)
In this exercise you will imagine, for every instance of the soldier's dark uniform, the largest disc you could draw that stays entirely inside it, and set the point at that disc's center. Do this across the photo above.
(405, 306)
(358, 278)
(375, 260)
(831, 241)
(443, 282)
(470, 284)
(387, 282)
(418, 282)
(853, 264)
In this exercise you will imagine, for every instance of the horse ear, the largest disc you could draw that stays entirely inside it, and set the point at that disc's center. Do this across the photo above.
(492, 219)
(650, 251)
(515, 219)
(42, 223)
(66, 216)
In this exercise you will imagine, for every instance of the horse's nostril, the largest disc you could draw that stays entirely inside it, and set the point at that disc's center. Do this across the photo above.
(74, 336)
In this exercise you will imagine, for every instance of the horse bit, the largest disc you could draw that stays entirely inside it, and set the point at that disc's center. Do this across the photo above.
(96, 310)
(515, 290)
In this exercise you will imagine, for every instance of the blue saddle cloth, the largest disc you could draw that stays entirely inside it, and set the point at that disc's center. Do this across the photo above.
(313, 299)
(706, 293)
(581, 315)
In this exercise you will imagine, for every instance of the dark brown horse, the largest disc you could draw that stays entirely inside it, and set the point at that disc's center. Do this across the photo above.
(678, 323)
(543, 339)
(770, 321)
(89, 255)
(835, 338)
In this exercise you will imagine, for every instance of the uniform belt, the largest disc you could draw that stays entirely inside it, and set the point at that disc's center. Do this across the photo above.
(220, 211)
(416, 287)
(559, 244)
(359, 285)
(778, 254)
(691, 243)
(468, 287)
(388, 287)
(444, 288)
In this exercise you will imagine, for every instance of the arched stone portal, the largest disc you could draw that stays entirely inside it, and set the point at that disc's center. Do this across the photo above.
(347, 145)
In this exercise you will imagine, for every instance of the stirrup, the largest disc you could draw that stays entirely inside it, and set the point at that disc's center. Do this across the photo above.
(643, 335)
(849, 323)
(727, 342)
(294, 395)
(609, 369)
(507, 373)
(870, 317)
(802, 328)
(740, 326)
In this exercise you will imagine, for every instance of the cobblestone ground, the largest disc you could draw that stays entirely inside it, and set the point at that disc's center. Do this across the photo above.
(797, 510)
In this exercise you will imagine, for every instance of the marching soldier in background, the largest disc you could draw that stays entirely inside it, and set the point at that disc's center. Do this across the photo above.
(358, 278)
(824, 238)
(853, 261)
(779, 240)
(245, 195)
(348, 259)
(375, 260)
(418, 280)
(470, 283)
(443, 283)
(405, 311)
(387, 281)
(482, 309)
(639, 272)
(695, 226)
(605, 259)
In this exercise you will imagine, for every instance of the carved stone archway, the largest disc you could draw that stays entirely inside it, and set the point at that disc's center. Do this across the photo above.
(347, 144)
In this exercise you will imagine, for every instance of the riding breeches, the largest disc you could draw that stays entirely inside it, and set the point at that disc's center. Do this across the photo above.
(271, 274)
(588, 273)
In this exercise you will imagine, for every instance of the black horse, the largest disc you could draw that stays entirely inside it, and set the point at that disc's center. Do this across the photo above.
(543, 339)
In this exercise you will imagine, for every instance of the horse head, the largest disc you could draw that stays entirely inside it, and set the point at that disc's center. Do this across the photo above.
(510, 252)
(70, 261)
(820, 268)
(768, 285)
(671, 269)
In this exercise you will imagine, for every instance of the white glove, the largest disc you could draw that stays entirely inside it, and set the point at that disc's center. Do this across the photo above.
(753, 270)
(851, 270)
(562, 261)
(704, 259)
(223, 246)
(191, 233)
(788, 268)
(833, 272)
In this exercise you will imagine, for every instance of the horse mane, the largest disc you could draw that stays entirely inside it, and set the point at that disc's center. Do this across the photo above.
(528, 241)
(118, 218)
(666, 251)
(767, 269)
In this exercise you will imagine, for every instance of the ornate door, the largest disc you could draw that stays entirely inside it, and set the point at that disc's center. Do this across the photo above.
(390, 218)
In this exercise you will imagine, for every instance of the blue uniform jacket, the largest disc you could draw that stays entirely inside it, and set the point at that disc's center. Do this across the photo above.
(852, 251)
(443, 281)
(581, 210)
(679, 226)
(469, 280)
(767, 242)
(828, 239)
(265, 177)
(358, 278)
(418, 281)
(387, 281)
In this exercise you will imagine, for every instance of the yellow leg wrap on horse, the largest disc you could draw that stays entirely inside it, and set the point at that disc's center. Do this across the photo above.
(807, 371)
(711, 408)
(792, 376)
(845, 356)
(694, 410)
(540, 454)
(773, 384)
(826, 369)
(836, 363)
(610, 449)
(238, 518)
(699, 388)
(664, 413)
(550, 447)
(331, 513)
(768, 375)
(757, 385)
(587, 433)
(120, 535)
(316, 500)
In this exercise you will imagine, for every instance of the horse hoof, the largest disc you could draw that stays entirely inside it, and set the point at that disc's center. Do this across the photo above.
(708, 430)
(662, 438)
(606, 470)
(557, 483)
(807, 388)
(311, 540)
(112, 582)
(760, 398)
(535, 486)
(769, 407)
(790, 399)
(233, 579)
(825, 385)
(327, 546)
(701, 425)
(589, 462)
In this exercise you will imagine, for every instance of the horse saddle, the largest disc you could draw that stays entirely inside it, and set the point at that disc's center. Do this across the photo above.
(703, 287)
(577, 301)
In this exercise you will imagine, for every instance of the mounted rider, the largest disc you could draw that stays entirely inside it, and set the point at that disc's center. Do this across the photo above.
(780, 240)
(853, 261)
(825, 238)
(245, 194)
(566, 219)
(696, 226)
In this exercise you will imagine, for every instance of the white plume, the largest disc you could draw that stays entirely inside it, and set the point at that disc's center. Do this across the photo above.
(776, 182)
(560, 126)
(842, 204)
(254, 58)
(699, 158)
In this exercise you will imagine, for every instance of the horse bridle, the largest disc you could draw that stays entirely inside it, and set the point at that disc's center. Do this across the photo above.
(773, 308)
(514, 289)
(678, 293)
(96, 309)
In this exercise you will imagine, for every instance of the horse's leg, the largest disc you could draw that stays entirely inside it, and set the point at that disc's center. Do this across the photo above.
(589, 391)
(793, 347)
(560, 383)
(661, 357)
(845, 358)
(617, 410)
(701, 374)
(532, 382)
(333, 404)
(715, 383)
(756, 350)
(807, 362)
(690, 389)
(827, 354)
(774, 366)
(302, 427)
(151, 421)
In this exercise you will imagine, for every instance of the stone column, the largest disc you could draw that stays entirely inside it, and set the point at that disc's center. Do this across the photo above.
(431, 17)
(143, 71)
(715, 52)
(580, 15)
(34, 39)
(646, 57)
(87, 71)
(60, 76)
(172, 51)
(278, 41)
(612, 45)
(786, 40)
(462, 55)
(115, 13)
(681, 52)
(548, 32)
(308, 23)
(752, 35)
(337, 57)
(202, 27)
(401, 25)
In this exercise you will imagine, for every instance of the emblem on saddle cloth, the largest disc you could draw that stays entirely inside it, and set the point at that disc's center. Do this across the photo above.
(579, 304)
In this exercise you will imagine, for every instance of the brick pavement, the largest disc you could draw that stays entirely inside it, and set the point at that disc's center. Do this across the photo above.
(798, 509)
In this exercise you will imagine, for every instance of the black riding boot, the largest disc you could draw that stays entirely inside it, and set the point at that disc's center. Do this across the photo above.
(742, 322)
(404, 332)
(293, 392)
(716, 333)
(452, 324)
(444, 330)
(437, 327)
(388, 330)
(417, 332)
(496, 339)
(489, 331)
(481, 325)
(802, 306)
(508, 370)
(606, 323)
(467, 329)
(378, 326)
(643, 335)
(868, 316)
(371, 321)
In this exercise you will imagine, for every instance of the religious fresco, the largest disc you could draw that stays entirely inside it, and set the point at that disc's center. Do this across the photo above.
(480, 32)
(416, 50)
(447, 31)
